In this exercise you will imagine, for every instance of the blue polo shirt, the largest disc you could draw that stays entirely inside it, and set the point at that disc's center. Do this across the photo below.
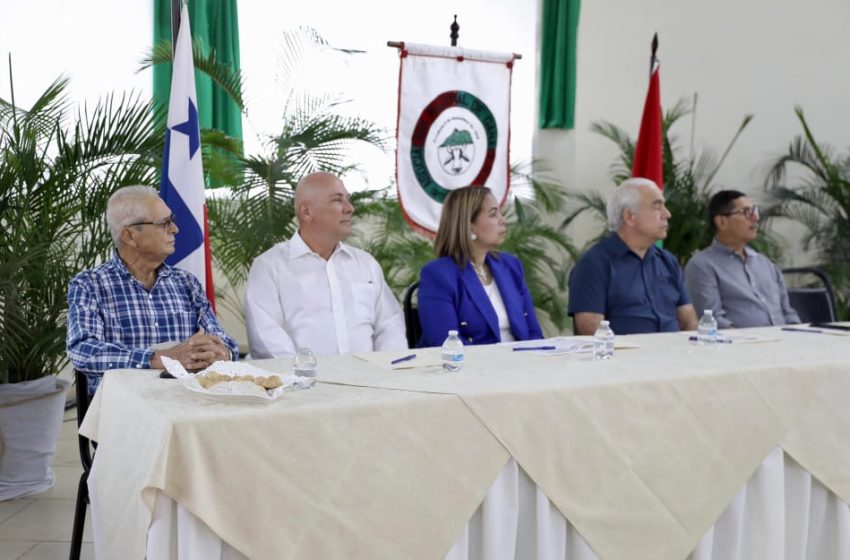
(636, 295)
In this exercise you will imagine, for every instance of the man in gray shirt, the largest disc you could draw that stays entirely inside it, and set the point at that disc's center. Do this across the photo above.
(743, 287)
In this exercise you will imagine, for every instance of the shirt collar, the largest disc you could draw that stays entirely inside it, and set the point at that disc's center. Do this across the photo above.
(726, 250)
(618, 248)
(162, 272)
(298, 247)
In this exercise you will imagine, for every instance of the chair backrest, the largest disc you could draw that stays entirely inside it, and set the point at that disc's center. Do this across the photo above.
(810, 294)
(412, 327)
(83, 401)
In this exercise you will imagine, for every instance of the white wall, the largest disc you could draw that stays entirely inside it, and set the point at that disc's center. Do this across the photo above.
(741, 56)
(97, 43)
(370, 80)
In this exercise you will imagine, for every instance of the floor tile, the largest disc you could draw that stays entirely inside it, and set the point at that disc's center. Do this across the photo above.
(67, 452)
(13, 550)
(44, 520)
(57, 551)
(67, 479)
(68, 432)
(70, 413)
(11, 507)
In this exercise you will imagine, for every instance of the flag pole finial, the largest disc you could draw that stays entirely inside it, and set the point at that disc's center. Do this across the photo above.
(455, 27)
(652, 58)
(175, 24)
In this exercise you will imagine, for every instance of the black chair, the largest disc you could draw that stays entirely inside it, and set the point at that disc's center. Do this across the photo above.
(811, 295)
(412, 327)
(86, 454)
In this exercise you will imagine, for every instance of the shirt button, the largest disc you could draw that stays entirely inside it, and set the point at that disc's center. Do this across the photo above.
(139, 366)
(156, 324)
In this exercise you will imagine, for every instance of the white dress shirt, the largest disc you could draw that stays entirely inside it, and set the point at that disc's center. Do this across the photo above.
(295, 298)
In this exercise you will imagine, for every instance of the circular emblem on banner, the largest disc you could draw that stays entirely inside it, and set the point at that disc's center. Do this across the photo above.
(453, 144)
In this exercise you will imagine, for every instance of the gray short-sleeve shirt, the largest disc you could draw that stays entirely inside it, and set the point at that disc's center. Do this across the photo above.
(741, 293)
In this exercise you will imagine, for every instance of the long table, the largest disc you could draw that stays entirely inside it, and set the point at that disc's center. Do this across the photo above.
(641, 454)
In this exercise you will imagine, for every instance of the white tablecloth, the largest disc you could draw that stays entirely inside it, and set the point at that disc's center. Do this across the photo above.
(641, 453)
(781, 513)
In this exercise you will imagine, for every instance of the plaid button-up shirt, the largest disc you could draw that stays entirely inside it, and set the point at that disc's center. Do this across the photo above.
(113, 320)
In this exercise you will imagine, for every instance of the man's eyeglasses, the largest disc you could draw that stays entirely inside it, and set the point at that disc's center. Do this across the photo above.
(164, 223)
(748, 212)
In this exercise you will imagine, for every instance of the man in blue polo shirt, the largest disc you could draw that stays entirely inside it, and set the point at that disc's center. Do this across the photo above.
(625, 278)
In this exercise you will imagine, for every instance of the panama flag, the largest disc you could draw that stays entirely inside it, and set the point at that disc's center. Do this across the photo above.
(182, 186)
(649, 158)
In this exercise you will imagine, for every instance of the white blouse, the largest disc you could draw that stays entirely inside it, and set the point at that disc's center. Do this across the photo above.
(501, 313)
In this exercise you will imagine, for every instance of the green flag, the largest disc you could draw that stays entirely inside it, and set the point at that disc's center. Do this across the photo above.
(215, 22)
(558, 63)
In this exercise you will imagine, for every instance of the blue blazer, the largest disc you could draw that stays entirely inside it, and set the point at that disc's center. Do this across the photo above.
(451, 298)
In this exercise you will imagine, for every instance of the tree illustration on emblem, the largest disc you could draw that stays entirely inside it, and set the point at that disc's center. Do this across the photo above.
(457, 152)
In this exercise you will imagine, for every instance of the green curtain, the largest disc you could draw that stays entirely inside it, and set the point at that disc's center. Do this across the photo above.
(215, 22)
(558, 63)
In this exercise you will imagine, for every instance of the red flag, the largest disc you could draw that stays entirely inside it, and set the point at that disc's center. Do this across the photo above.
(649, 152)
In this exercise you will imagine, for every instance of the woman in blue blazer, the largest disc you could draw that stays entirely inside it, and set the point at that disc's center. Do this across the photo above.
(470, 287)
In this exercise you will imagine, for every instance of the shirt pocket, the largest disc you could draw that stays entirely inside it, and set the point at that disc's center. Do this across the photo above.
(666, 288)
(364, 296)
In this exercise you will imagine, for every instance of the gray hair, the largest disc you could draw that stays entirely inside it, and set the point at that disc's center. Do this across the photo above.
(123, 208)
(626, 197)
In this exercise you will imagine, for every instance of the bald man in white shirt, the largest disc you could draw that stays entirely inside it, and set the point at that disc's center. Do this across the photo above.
(314, 290)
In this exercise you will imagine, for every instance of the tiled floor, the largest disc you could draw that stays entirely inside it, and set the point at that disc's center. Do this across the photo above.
(39, 527)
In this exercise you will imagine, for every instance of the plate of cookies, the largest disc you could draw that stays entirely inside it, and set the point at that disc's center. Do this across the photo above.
(236, 381)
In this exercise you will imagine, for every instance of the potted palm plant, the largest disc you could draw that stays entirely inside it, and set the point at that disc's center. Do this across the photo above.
(58, 166)
(810, 184)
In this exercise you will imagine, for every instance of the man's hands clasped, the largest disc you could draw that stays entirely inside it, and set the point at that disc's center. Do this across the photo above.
(198, 352)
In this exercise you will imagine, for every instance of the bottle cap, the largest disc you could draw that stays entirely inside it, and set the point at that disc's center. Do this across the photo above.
(452, 333)
(603, 323)
(708, 312)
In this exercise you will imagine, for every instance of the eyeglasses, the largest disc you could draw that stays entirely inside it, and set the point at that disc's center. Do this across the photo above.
(164, 223)
(748, 212)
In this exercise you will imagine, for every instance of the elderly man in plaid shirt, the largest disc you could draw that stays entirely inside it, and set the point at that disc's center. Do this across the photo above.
(122, 312)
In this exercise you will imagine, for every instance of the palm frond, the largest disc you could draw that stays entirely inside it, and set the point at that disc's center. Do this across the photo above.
(711, 173)
(533, 180)
(57, 168)
(225, 76)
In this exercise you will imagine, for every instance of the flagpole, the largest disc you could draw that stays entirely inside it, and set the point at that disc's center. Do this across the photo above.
(175, 24)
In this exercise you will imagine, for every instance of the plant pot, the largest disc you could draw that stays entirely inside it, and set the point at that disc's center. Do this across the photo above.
(31, 415)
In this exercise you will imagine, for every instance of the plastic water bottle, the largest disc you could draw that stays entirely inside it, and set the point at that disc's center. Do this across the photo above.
(304, 363)
(452, 353)
(603, 341)
(707, 328)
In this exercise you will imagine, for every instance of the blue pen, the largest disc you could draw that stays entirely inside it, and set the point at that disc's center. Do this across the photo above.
(717, 340)
(404, 359)
(795, 329)
(524, 348)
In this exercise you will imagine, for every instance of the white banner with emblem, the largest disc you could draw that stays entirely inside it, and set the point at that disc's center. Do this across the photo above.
(453, 127)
